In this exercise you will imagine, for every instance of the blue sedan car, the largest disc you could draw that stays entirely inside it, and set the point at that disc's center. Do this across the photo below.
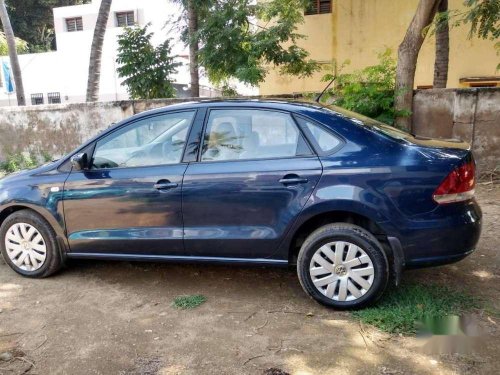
(349, 200)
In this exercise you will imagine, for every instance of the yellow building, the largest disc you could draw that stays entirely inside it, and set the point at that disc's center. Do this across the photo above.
(357, 30)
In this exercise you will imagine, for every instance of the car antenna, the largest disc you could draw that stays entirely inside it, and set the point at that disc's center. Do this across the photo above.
(326, 88)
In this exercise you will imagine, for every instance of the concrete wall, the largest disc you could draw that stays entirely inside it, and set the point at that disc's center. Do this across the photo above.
(472, 115)
(58, 129)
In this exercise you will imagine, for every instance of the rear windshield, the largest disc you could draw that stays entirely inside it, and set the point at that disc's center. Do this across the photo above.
(394, 133)
(378, 126)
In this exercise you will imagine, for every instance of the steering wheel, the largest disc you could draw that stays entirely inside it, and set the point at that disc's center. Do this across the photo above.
(100, 163)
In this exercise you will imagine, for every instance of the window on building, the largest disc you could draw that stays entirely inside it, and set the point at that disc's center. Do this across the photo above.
(74, 24)
(53, 97)
(319, 7)
(37, 99)
(124, 19)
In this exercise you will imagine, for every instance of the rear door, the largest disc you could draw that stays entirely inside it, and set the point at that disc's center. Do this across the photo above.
(254, 174)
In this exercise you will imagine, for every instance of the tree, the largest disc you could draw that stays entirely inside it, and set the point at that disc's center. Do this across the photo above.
(14, 61)
(33, 21)
(194, 70)
(21, 45)
(146, 69)
(442, 47)
(96, 51)
(231, 45)
(484, 19)
(407, 61)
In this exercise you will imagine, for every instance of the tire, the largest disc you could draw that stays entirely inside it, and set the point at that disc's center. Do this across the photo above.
(21, 222)
(353, 243)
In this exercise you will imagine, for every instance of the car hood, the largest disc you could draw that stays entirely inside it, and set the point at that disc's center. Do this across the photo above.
(12, 177)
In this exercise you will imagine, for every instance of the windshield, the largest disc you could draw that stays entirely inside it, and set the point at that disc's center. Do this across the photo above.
(391, 131)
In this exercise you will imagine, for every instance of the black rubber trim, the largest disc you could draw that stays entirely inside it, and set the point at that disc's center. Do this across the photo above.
(398, 258)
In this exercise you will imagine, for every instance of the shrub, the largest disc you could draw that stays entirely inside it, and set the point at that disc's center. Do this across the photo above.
(19, 161)
(369, 91)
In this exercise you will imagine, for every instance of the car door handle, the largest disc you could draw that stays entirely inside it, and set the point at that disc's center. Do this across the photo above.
(293, 180)
(165, 185)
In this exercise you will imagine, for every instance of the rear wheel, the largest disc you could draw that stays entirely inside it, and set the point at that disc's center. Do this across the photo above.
(28, 245)
(343, 266)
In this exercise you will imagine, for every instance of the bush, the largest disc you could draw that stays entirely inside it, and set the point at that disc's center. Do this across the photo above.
(19, 161)
(369, 91)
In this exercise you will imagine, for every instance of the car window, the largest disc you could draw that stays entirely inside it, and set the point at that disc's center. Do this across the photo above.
(325, 140)
(155, 140)
(241, 134)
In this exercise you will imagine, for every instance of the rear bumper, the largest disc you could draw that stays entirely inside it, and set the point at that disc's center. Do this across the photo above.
(448, 235)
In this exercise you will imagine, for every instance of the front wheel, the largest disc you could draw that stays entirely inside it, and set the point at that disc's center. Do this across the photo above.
(28, 245)
(343, 266)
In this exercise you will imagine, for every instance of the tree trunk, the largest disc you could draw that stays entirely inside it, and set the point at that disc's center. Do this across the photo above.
(193, 49)
(14, 61)
(96, 52)
(407, 61)
(442, 49)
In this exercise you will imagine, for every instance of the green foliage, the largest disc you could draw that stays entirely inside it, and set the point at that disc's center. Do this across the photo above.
(400, 309)
(228, 91)
(33, 21)
(234, 46)
(189, 301)
(21, 45)
(17, 162)
(146, 69)
(21, 160)
(369, 91)
(483, 16)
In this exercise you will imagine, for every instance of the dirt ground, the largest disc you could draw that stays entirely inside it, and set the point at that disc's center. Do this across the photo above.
(117, 318)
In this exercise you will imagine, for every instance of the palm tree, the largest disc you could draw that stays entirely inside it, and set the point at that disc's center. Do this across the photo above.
(96, 51)
(194, 71)
(14, 61)
(442, 48)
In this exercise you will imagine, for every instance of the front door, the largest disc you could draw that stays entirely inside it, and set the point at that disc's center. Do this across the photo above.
(129, 201)
(254, 175)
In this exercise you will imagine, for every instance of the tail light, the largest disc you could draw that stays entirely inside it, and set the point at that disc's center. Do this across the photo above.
(458, 186)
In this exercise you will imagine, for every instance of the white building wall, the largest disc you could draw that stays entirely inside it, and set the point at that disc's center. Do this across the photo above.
(66, 70)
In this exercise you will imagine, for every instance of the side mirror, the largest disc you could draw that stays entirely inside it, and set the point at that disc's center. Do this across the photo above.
(79, 162)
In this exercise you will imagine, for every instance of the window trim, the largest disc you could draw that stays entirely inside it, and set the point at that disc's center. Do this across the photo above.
(76, 23)
(312, 139)
(239, 108)
(125, 12)
(95, 141)
(318, 9)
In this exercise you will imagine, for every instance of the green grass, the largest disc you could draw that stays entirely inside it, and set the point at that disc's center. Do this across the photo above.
(188, 302)
(401, 308)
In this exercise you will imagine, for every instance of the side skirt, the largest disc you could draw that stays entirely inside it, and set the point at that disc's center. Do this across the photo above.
(178, 259)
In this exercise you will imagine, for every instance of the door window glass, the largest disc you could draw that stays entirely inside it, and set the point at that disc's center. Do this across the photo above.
(324, 139)
(251, 134)
(155, 140)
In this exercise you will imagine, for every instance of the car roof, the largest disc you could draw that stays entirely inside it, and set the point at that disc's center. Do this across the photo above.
(291, 105)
